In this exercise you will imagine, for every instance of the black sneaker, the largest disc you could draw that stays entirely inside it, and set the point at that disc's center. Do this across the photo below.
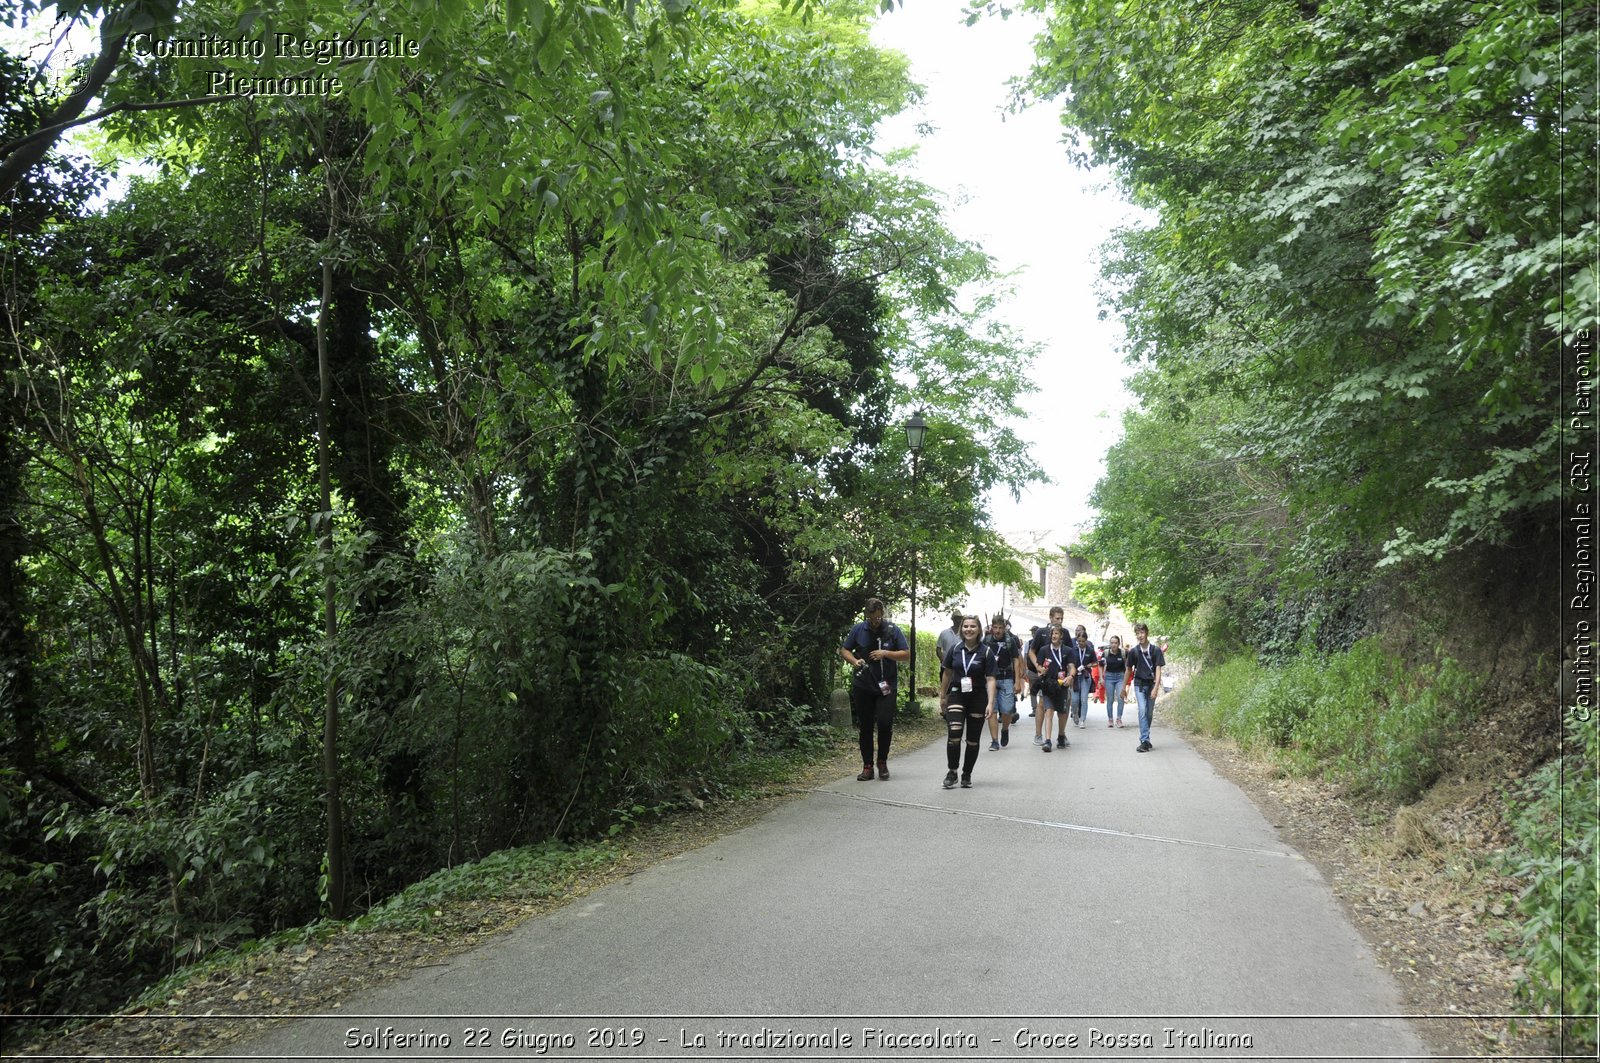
(966, 782)
(1143, 747)
(1045, 745)
(1061, 741)
(1005, 736)
(949, 780)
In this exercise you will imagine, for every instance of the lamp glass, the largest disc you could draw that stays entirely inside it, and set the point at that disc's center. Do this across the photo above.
(916, 431)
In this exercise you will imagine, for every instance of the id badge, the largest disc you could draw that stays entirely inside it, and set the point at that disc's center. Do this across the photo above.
(966, 684)
(883, 687)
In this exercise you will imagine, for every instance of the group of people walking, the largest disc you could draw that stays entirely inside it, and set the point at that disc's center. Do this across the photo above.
(983, 676)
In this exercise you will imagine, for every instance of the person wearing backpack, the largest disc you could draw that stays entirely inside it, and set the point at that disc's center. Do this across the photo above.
(1036, 648)
(1055, 680)
(1006, 649)
(874, 649)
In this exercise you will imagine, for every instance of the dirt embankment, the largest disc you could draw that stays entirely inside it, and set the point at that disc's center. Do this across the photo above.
(1423, 883)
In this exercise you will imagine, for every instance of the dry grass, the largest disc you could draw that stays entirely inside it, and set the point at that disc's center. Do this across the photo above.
(1422, 882)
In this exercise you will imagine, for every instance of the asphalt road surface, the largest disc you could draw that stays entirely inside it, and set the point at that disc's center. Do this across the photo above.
(1089, 903)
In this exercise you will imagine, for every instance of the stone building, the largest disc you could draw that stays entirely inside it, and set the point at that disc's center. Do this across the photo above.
(1054, 576)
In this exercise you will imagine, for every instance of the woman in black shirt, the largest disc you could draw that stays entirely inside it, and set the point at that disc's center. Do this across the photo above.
(1055, 678)
(1116, 676)
(966, 699)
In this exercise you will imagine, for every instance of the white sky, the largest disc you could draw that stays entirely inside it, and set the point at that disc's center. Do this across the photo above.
(1013, 191)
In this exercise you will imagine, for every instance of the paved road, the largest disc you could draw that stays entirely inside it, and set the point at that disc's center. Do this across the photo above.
(1089, 903)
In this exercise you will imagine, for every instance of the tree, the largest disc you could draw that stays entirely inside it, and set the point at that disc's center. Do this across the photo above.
(604, 324)
(1350, 259)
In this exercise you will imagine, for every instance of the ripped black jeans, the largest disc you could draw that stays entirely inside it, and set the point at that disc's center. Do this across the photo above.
(964, 716)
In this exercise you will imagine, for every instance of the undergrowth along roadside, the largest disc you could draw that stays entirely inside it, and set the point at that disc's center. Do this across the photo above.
(1384, 730)
(1558, 843)
(1362, 718)
(528, 879)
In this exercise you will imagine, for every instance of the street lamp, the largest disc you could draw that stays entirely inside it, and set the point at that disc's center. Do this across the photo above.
(916, 433)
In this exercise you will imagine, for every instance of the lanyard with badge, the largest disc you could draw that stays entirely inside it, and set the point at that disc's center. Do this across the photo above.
(883, 680)
(966, 668)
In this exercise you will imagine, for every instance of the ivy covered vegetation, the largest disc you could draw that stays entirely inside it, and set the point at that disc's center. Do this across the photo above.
(460, 461)
(1376, 234)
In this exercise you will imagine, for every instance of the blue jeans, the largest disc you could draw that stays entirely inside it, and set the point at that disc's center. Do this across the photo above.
(1005, 700)
(1146, 697)
(1116, 691)
(1082, 691)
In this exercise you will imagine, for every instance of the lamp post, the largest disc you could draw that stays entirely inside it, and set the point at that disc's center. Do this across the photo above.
(916, 433)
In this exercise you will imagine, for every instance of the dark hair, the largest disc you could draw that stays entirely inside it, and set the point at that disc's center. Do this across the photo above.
(1141, 627)
(873, 606)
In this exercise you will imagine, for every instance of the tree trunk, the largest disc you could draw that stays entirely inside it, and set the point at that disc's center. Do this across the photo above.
(16, 653)
(330, 718)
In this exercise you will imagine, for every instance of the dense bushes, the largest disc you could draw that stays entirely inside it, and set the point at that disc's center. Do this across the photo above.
(518, 473)
(1364, 718)
(1558, 846)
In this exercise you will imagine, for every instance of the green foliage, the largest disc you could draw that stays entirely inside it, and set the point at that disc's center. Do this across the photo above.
(1349, 314)
(1384, 726)
(530, 871)
(1215, 633)
(1091, 590)
(621, 324)
(1558, 844)
(185, 881)
(1362, 717)
(928, 664)
(1216, 700)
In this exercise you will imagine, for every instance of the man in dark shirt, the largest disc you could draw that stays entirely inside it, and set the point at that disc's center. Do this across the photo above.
(1006, 649)
(1146, 662)
(874, 649)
